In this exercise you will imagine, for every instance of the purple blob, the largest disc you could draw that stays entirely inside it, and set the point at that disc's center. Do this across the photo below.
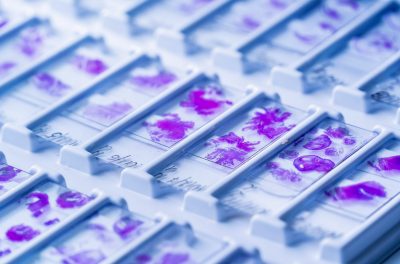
(37, 203)
(111, 112)
(143, 259)
(351, 3)
(201, 101)
(86, 257)
(278, 4)
(269, 122)
(88, 65)
(282, 174)
(3, 22)
(6, 67)
(5, 252)
(339, 132)
(170, 128)
(52, 222)
(230, 148)
(20, 233)
(363, 191)
(125, 226)
(349, 141)
(175, 258)
(309, 163)
(389, 163)
(331, 152)
(318, 143)
(377, 42)
(327, 26)
(331, 13)
(30, 42)
(250, 23)
(71, 199)
(50, 85)
(8, 172)
(289, 154)
(155, 81)
(305, 38)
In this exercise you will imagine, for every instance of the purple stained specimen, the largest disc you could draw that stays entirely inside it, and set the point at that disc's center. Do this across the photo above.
(71, 199)
(170, 128)
(306, 37)
(339, 132)
(6, 67)
(230, 148)
(282, 174)
(8, 172)
(268, 122)
(126, 225)
(310, 163)
(5, 252)
(89, 65)
(278, 4)
(159, 80)
(3, 22)
(250, 23)
(111, 112)
(332, 152)
(349, 141)
(50, 84)
(289, 154)
(351, 3)
(92, 256)
(363, 191)
(175, 258)
(143, 259)
(391, 163)
(37, 203)
(327, 26)
(52, 222)
(30, 42)
(318, 143)
(205, 101)
(376, 42)
(20, 233)
(331, 13)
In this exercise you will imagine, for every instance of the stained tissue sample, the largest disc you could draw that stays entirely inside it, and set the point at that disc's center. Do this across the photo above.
(107, 113)
(366, 190)
(199, 106)
(262, 126)
(91, 66)
(36, 213)
(97, 238)
(11, 177)
(154, 81)
(49, 84)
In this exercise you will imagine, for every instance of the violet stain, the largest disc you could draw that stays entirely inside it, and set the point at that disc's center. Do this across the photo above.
(203, 103)
(162, 79)
(71, 199)
(230, 148)
(339, 132)
(282, 174)
(50, 84)
(8, 172)
(250, 23)
(52, 222)
(86, 257)
(318, 143)
(349, 141)
(389, 163)
(37, 203)
(310, 163)
(20, 233)
(6, 67)
(109, 112)
(278, 4)
(288, 154)
(5, 252)
(89, 65)
(363, 191)
(125, 226)
(3, 22)
(175, 258)
(143, 259)
(332, 152)
(331, 13)
(30, 42)
(267, 122)
(170, 128)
